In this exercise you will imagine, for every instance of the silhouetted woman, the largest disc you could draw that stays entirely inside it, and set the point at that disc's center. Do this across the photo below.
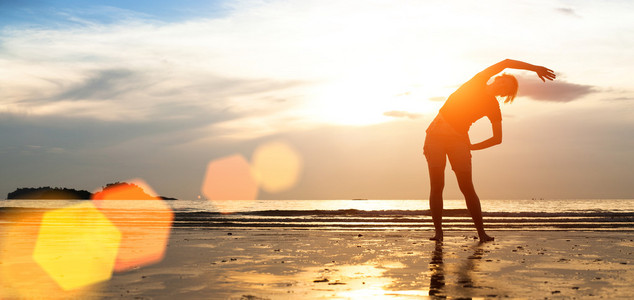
(448, 135)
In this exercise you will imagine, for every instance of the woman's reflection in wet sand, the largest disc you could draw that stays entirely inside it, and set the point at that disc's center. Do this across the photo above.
(436, 267)
(468, 266)
(464, 273)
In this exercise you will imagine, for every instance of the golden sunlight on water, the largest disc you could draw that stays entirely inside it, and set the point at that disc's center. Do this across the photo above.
(346, 265)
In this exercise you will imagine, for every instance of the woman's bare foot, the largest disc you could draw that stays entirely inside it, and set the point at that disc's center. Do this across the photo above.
(486, 238)
(438, 237)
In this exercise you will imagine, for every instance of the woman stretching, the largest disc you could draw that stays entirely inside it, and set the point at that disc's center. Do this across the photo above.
(448, 135)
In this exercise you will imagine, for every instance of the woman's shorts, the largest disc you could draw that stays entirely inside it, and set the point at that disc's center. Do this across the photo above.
(443, 141)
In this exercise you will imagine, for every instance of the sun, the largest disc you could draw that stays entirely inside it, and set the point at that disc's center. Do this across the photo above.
(365, 100)
(351, 102)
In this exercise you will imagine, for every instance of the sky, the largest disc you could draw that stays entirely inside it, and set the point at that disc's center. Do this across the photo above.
(94, 92)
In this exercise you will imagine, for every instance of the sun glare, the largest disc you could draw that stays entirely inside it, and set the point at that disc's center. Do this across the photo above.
(358, 106)
(354, 102)
(364, 97)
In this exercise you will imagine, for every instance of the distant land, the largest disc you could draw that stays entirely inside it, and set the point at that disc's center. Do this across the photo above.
(132, 192)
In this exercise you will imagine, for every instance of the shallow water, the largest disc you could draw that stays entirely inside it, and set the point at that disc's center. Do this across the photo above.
(587, 214)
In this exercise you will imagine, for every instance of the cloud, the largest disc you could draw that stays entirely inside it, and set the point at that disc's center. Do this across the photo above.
(401, 114)
(437, 99)
(105, 84)
(567, 11)
(555, 91)
(125, 95)
(138, 70)
(621, 99)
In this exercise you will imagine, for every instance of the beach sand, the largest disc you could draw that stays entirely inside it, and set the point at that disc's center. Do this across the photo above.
(329, 264)
(285, 263)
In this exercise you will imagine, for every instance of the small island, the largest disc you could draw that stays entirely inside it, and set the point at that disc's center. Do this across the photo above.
(49, 193)
(133, 192)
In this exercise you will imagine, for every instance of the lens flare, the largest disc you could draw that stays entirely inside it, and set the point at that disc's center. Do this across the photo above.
(77, 246)
(20, 276)
(276, 166)
(229, 179)
(144, 221)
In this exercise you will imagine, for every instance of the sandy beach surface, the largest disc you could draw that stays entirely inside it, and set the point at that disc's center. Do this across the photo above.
(378, 264)
(287, 263)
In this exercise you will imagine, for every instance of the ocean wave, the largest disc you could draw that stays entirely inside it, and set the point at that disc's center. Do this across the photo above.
(410, 213)
(453, 219)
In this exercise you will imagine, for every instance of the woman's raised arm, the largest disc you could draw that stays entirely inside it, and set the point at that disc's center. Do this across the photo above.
(543, 72)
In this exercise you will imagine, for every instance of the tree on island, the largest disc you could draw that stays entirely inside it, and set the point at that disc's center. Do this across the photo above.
(117, 190)
(49, 193)
(123, 191)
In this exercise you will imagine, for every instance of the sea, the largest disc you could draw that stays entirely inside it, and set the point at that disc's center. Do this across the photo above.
(529, 214)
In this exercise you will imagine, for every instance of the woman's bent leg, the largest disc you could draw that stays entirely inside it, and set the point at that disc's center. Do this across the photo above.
(465, 182)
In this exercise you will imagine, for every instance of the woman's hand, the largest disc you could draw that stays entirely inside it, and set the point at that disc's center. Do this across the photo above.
(544, 73)
(496, 139)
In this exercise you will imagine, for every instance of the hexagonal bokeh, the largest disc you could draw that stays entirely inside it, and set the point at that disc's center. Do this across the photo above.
(276, 166)
(77, 245)
(20, 276)
(144, 222)
(229, 179)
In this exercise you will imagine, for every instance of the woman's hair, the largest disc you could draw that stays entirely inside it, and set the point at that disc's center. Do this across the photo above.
(510, 96)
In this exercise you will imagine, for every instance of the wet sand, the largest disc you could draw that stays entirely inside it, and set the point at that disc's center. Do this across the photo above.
(329, 264)
(285, 263)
